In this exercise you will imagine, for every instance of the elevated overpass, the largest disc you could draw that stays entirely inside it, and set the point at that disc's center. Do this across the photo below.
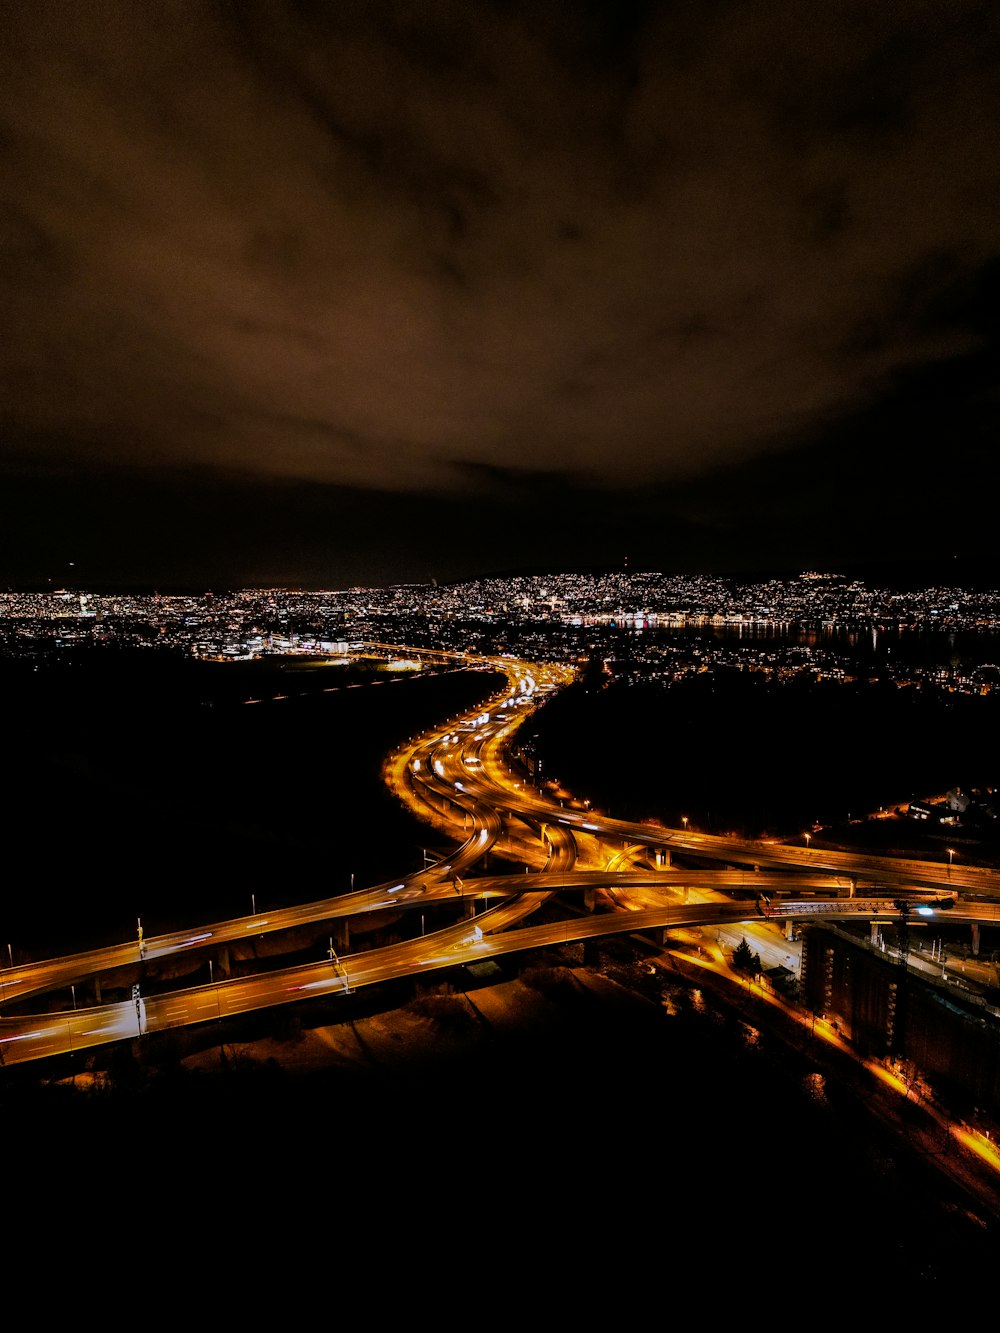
(459, 778)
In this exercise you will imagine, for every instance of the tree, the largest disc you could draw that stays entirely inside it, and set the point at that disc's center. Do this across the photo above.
(744, 958)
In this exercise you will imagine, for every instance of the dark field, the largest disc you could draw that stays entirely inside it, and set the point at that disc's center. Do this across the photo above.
(736, 753)
(147, 788)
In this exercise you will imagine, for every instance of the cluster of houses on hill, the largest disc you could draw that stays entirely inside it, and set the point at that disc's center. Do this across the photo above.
(958, 809)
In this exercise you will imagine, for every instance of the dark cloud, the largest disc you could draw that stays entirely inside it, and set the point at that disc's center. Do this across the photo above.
(425, 249)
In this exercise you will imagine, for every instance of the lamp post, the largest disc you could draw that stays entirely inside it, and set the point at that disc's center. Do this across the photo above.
(807, 838)
(684, 821)
(951, 853)
(338, 966)
(211, 982)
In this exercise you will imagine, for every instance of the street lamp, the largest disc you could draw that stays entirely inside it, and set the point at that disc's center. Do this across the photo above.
(807, 837)
(338, 966)
(211, 982)
(684, 820)
(951, 853)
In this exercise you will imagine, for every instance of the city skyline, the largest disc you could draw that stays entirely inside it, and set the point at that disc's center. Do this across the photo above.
(359, 295)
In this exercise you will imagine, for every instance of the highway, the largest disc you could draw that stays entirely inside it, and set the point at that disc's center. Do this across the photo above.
(461, 779)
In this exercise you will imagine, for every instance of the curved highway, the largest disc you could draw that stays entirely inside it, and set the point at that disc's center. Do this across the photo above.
(460, 778)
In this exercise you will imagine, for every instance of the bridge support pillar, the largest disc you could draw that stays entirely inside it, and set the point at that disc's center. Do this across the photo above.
(224, 960)
(663, 856)
(873, 935)
(975, 939)
(589, 898)
(342, 936)
(469, 908)
(97, 990)
(788, 928)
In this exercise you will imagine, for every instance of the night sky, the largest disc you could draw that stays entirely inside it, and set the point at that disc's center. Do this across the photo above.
(367, 292)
